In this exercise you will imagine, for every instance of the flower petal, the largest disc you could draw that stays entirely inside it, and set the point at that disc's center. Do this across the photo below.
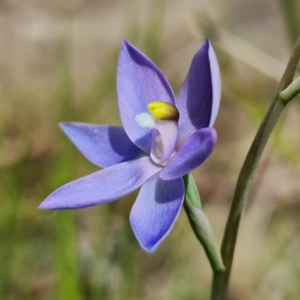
(139, 82)
(101, 144)
(164, 138)
(156, 210)
(191, 154)
(199, 97)
(102, 186)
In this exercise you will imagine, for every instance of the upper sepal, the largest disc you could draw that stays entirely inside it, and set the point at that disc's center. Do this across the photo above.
(139, 82)
(199, 97)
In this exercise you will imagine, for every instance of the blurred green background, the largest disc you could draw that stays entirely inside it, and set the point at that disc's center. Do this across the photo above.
(58, 63)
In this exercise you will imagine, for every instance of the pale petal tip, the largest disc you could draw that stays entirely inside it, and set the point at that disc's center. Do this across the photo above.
(126, 44)
(62, 124)
(143, 240)
(49, 204)
(149, 248)
(124, 41)
(45, 206)
(67, 126)
(40, 206)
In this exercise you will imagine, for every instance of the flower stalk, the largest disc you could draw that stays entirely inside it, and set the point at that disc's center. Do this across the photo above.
(284, 93)
(201, 225)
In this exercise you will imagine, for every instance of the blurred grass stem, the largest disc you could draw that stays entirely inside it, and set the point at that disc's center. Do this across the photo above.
(290, 10)
(68, 282)
(221, 279)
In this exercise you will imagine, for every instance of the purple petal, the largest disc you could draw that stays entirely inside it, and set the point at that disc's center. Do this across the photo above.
(164, 138)
(191, 154)
(101, 144)
(199, 97)
(102, 186)
(139, 82)
(156, 210)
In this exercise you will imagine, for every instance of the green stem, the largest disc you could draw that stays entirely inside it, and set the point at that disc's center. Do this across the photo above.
(220, 280)
(291, 91)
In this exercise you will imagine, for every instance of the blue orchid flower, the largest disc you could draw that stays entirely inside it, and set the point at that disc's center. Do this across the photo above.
(162, 140)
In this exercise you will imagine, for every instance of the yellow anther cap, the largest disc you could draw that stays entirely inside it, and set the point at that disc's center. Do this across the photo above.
(163, 110)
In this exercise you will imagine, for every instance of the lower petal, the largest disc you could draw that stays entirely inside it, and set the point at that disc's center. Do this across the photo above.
(191, 154)
(103, 186)
(156, 210)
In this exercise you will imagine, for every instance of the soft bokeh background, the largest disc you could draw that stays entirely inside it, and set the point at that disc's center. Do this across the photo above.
(58, 63)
